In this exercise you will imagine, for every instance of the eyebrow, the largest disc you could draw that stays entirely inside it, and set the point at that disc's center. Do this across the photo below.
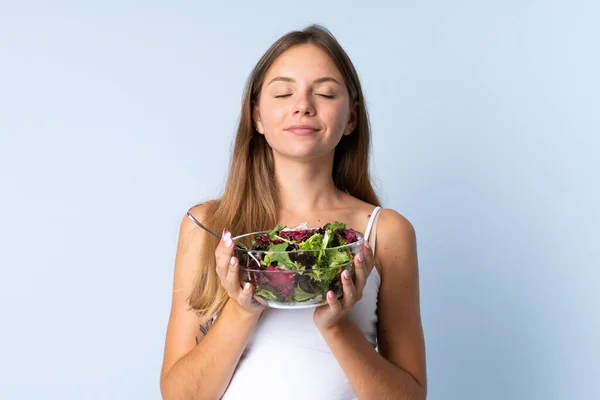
(292, 80)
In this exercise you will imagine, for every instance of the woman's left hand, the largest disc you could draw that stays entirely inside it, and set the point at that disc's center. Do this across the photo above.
(336, 311)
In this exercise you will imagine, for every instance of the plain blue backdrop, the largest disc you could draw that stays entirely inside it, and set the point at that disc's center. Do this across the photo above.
(115, 117)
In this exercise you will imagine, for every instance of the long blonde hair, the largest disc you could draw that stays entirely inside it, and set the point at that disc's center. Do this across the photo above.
(250, 201)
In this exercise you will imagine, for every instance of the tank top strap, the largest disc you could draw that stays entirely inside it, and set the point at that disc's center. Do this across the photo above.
(371, 222)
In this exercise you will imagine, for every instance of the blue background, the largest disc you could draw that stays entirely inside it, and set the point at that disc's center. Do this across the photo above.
(117, 116)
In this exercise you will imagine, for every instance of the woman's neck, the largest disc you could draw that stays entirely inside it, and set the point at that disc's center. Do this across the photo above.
(305, 187)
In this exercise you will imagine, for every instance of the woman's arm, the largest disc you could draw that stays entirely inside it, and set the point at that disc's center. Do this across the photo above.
(398, 371)
(206, 370)
(199, 359)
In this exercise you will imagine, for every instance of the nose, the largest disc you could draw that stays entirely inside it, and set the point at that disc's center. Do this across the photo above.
(304, 105)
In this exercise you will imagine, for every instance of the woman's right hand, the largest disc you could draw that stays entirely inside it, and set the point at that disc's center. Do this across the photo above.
(228, 271)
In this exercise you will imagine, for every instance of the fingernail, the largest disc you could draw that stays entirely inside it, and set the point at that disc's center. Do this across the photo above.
(228, 243)
(330, 294)
(367, 244)
(227, 235)
(346, 274)
(360, 257)
(232, 261)
(247, 286)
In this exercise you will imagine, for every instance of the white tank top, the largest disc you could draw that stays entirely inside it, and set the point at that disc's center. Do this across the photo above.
(287, 358)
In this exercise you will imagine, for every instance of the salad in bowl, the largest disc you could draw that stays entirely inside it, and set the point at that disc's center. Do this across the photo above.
(295, 268)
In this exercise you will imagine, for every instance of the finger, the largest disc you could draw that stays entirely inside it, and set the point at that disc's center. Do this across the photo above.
(223, 254)
(245, 298)
(333, 302)
(350, 295)
(232, 280)
(361, 273)
(369, 257)
(249, 301)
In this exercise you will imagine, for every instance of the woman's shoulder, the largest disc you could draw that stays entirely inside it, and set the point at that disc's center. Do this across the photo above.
(391, 222)
(189, 231)
(396, 241)
(201, 210)
(395, 236)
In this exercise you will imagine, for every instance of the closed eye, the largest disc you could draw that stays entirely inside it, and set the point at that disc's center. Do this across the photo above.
(318, 94)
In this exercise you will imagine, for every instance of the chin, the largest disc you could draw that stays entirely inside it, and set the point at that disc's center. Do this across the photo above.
(302, 151)
(303, 154)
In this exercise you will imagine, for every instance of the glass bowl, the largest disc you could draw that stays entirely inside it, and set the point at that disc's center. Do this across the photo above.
(294, 278)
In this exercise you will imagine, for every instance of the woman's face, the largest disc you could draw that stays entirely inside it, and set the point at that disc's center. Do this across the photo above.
(304, 107)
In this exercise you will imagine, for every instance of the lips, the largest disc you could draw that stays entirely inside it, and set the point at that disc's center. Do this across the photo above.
(302, 129)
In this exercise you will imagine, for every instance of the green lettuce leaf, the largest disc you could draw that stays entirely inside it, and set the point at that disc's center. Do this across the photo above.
(315, 242)
(337, 258)
(331, 265)
(283, 259)
(265, 294)
(301, 295)
(275, 232)
(330, 233)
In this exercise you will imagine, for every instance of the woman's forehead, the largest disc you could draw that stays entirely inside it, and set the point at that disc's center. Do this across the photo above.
(303, 62)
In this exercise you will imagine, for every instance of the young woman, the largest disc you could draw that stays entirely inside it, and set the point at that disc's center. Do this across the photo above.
(301, 155)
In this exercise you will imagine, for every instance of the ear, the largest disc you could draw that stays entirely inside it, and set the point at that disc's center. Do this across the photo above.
(257, 121)
(352, 120)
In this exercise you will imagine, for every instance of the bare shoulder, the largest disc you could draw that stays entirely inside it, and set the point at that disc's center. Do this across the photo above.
(396, 241)
(200, 212)
(392, 222)
(190, 238)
